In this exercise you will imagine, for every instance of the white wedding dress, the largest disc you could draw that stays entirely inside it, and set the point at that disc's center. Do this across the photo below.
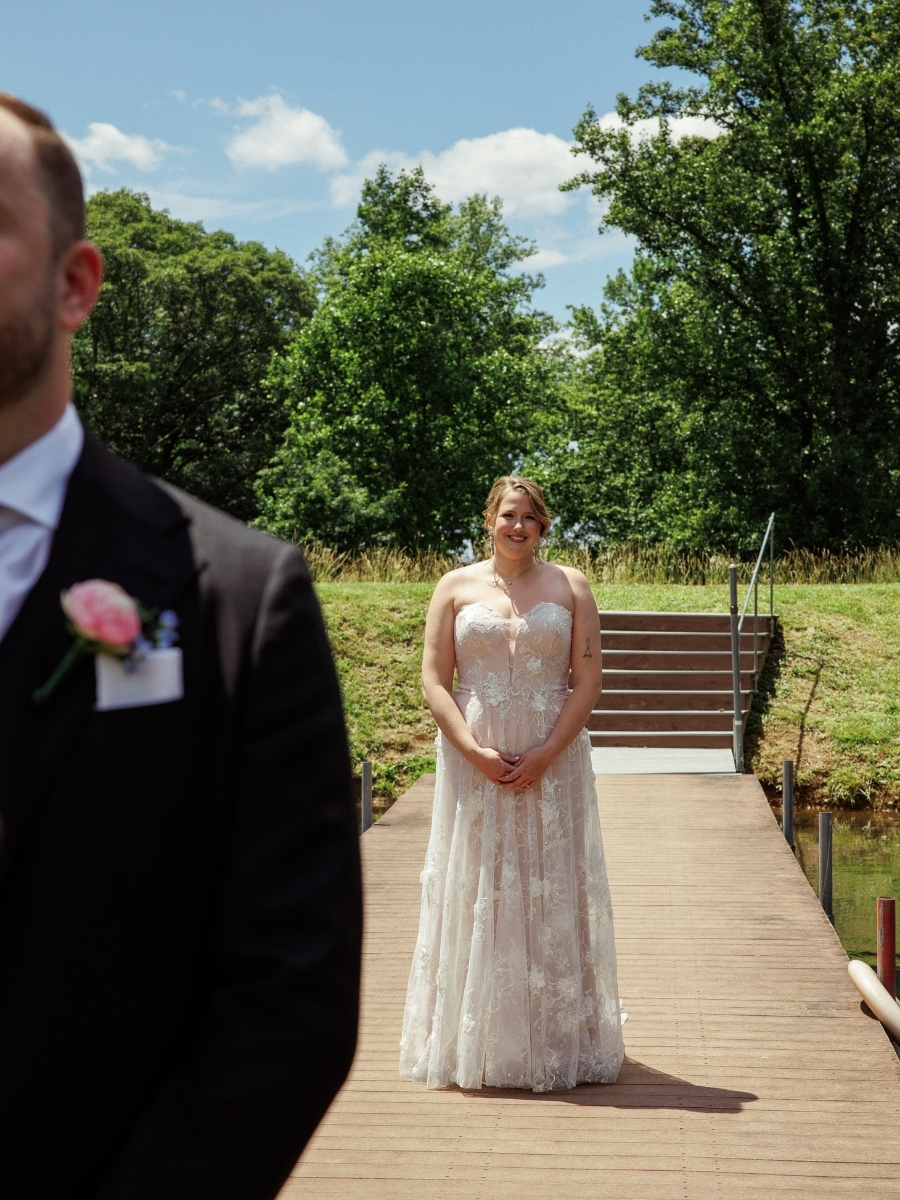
(513, 983)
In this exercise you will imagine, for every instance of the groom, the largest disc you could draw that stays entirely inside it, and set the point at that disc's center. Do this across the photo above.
(179, 875)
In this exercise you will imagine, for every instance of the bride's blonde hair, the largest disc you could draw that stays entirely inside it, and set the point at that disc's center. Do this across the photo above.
(516, 483)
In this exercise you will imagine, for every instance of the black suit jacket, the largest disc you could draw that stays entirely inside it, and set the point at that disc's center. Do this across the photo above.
(179, 883)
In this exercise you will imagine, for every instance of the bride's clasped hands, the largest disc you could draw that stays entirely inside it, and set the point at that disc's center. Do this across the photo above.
(515, 772)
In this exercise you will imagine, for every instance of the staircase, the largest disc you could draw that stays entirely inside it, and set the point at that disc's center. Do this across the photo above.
(667, 679)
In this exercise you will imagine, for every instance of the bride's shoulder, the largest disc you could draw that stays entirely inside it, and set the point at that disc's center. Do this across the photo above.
(572, 573)
(461, 576)
(575, 579)
(457, 582)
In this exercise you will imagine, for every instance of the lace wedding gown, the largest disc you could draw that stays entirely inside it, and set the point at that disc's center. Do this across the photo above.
(513, 983)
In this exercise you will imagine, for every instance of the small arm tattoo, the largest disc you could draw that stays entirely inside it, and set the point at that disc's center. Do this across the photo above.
(587, 649)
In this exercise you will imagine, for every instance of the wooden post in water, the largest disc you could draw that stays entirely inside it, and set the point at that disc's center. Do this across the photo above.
(366, 797)
(787, 801)
(887, 943)
(825, 893)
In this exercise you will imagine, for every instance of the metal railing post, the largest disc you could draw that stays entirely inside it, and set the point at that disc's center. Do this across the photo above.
(826, 898)
(771, 572)
(787, 801)
(755, 634)
(366, 797)
(736, 670)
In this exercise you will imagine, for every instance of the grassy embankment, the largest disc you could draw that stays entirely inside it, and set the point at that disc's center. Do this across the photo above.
(829, 699)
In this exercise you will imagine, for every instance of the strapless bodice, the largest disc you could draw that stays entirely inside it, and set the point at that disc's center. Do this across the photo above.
(512, 701)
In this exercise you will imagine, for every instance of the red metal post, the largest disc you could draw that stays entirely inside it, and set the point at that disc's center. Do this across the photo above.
(887, 944)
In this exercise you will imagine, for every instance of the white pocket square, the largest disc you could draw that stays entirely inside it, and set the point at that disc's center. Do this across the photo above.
(156, 679)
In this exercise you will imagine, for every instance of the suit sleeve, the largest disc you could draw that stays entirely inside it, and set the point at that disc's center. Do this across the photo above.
(280, 1034)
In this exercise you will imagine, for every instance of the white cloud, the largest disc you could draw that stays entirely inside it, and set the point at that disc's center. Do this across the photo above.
(571, 249)
(679, 127)
(522, 166)
(283, 135)
(105, 145)
(547, 258)
(345, 189)
(194, 206)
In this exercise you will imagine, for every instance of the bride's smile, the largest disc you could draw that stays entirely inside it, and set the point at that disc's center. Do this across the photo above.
(516, 533)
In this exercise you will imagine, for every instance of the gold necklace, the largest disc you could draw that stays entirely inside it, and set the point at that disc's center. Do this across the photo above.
(498, 578)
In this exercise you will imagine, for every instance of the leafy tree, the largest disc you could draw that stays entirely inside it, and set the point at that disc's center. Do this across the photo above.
(170, 369)
(751, 361)
(632, 449)
(411, 388)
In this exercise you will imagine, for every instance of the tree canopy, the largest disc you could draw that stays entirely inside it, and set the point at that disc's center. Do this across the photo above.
(412, 386)
(750, 360)
(170, 369)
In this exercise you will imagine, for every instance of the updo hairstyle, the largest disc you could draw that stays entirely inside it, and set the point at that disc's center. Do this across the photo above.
(516, 483)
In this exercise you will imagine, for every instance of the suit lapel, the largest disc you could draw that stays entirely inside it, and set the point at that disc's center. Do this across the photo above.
(118, 525)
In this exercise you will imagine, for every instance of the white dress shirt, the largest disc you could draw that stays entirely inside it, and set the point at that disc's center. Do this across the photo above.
(32, 491)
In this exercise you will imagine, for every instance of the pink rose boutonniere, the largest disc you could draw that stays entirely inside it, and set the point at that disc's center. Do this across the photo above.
(104, 619)
(103, 613)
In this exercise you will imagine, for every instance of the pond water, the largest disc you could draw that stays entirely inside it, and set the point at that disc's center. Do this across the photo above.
(865, 865)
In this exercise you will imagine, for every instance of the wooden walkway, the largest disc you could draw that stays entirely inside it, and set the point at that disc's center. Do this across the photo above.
(751, 1070)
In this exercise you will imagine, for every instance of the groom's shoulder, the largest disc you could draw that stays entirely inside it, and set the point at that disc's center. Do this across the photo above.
(224, 541)
(226, 546)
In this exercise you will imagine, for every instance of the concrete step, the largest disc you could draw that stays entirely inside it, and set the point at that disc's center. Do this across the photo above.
(660, 760)
(672, 660)
(686, 641)
(698, 622)
(673, 680)
(630, 700)
(708, 739)
(651, 722)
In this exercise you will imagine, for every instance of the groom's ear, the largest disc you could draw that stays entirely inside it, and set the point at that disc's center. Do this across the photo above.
(80, 274)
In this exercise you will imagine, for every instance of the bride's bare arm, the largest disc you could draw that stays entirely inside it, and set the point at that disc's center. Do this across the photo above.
(438, 664)
(586, 684)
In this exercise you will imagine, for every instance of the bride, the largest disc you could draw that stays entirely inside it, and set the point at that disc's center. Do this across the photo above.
(513, 982)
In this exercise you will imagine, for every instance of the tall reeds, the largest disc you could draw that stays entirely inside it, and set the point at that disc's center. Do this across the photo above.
(376, 564)
(627, 562)
(879, 565)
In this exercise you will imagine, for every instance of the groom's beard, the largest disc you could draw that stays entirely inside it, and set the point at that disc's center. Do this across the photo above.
(26, 346)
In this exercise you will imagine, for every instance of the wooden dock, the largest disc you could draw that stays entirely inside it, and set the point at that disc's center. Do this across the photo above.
(751, 1070)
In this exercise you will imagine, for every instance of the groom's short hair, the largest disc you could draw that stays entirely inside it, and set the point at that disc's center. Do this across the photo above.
(58, 176)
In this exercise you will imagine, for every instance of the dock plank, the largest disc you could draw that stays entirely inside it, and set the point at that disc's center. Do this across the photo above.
(751, 1071)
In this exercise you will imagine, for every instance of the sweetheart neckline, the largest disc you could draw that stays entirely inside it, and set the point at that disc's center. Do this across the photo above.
(490, 608)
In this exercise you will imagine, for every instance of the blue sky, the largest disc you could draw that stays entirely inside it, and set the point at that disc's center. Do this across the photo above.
(264, 118)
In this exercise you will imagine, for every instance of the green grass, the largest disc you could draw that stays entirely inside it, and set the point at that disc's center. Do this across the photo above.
(376, 632)
(829, 699)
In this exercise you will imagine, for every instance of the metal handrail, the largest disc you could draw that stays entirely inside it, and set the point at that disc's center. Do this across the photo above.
(737, 623)
(754, 582)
